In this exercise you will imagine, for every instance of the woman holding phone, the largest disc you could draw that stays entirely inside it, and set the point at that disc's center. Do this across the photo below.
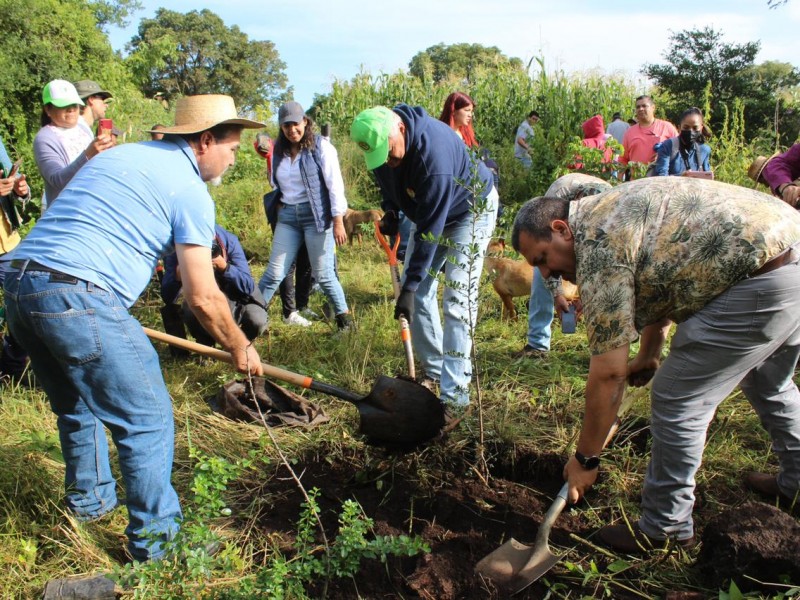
(61, 148)
(688, 154)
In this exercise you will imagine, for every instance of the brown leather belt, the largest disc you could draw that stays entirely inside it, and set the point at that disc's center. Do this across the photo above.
(784, 258)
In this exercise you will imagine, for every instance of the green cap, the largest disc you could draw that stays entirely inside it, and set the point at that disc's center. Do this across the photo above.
(60, 93)
(370, 130)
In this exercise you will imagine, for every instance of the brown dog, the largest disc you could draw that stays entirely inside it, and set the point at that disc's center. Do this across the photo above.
(512, 278)
(353, 218)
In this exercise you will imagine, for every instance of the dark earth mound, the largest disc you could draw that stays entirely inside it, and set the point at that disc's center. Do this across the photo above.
(755, 540)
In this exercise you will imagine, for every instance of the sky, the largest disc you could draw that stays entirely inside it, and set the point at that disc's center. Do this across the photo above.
(324, 40)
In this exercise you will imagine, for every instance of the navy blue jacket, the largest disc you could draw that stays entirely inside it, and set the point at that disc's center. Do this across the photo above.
(425, 186)
(236, 282)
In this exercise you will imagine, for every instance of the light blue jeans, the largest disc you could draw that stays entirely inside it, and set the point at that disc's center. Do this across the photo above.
(99, 369)
(747, 336)
(540, 313)
(295, 225)
(444, 353)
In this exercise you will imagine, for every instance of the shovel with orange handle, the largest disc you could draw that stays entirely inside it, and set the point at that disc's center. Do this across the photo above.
(405, 330)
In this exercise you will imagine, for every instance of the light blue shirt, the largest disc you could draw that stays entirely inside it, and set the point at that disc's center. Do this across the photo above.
(120, 213)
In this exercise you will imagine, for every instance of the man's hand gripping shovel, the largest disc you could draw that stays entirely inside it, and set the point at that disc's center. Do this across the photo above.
(514, 566)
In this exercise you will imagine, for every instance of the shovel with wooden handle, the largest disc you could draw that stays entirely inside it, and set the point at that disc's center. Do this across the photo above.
(395, 413)
(405, 330)
(514, 566)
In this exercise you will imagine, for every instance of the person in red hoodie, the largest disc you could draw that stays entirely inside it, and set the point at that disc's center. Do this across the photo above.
(594, 136)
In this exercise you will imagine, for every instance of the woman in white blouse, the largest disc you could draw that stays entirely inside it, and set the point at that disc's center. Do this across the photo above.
(306, 173)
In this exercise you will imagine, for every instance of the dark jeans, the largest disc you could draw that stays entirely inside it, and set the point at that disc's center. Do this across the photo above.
(14, 359)
(251, 317)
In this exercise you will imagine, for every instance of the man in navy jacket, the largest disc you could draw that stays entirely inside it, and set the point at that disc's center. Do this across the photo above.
(234, 279)
(424, 169)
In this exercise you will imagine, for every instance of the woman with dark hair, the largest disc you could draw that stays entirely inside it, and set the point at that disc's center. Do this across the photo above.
(61, 147)
(306, 174)
(688, 154)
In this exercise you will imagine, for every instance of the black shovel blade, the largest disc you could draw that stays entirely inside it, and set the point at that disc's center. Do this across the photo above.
(399, 412)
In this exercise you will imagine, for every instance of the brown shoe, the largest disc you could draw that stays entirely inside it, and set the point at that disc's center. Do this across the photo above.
(622, 539)
(766, 486)
(530, 352)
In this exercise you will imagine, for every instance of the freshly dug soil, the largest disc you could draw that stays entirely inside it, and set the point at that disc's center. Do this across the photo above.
(754, 539)
(457, 515)
(437, 496)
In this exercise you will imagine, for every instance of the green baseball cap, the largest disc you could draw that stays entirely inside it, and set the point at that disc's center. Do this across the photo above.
(370, 130)
(60, 93)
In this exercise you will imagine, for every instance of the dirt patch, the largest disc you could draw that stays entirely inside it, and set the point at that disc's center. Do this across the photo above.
(460, 517)
(438, 496)
(755, 540)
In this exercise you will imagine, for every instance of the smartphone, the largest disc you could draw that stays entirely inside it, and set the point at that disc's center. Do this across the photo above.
(15, 168)
(105, 127)
(569, 320)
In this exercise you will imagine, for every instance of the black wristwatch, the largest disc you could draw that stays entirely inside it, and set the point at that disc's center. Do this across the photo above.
(587, 462)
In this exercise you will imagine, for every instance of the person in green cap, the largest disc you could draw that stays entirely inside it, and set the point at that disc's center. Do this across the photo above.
(61, 147)
(424, 169)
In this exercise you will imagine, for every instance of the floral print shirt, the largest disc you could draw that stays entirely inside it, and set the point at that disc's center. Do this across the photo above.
(663, 247)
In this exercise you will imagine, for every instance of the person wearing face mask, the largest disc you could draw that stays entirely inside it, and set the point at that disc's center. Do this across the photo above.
(687, 154)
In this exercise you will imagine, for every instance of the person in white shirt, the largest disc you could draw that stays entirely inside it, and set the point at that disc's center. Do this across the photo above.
(524, 138)
(311, 208)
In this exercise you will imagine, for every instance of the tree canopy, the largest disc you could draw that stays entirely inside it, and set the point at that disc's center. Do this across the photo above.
(458, 61)
(196, 53)
(699, 58)
(44, 40)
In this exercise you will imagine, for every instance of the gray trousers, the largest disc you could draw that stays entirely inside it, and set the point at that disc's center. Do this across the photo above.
(747, 336)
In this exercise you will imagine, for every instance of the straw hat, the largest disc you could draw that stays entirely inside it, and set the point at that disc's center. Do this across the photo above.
(194, 114)
(757, 166)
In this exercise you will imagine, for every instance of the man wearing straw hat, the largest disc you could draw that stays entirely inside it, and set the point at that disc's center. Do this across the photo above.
(68, 291)
(781, 172)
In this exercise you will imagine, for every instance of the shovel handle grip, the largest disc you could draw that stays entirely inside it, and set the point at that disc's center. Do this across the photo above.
(405, 336)
(269, 370)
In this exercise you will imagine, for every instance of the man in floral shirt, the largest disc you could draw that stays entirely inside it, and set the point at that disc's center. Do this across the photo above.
(720, 261)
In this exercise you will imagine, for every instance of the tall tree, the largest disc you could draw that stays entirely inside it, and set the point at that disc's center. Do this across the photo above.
(113, 12)
(44, 40)
(196, 53)
(458, 61)
(699, 57)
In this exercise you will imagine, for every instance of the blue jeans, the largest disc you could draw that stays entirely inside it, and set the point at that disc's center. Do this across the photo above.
(98, 369)
(540, 313)
(747, 336)
(295, 225)
(444, 353)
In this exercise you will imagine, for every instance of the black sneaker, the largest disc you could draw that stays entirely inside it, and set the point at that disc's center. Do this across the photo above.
(344, 322)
